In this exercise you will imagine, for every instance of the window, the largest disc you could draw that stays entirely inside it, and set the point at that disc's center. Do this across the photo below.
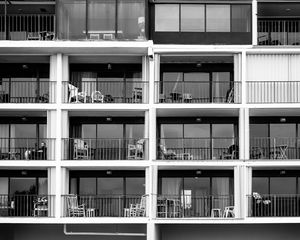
(192, 18)
(241, 18)
(167, 18)
(218, 18)
(202, 18)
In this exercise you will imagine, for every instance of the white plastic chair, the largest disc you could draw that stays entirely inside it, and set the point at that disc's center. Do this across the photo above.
(74, 93)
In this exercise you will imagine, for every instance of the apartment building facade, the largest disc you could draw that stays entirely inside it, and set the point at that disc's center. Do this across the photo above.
(153, 120)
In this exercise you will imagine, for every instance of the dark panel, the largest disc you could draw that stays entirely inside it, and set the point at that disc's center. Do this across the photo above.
(23, 173)
(202, 38)
(193, 173)
(101, 173)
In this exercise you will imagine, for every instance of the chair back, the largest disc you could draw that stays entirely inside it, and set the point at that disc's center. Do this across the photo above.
(73, 90)
(72, 202)
(143, 202)
(140, 145)
(163, 149)
(79, 143)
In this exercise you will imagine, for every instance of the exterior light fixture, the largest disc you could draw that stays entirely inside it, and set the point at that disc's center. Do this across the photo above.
(108, 119)
(24, 173)
(109, 172)
(282, 172)
(282, 120)
(198, 120)
(198, 172)
(199, 65)
(109, 66)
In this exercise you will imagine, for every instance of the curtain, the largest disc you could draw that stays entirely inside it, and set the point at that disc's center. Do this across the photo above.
(85, 81)
(220, 192)
(43, 186)
(4, 135)
(171, 186)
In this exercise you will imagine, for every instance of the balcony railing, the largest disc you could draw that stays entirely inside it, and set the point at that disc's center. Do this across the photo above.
(27, 27)
(197, 148)
(27, 149)
(274, 205)
(26, 205)
(197, 92)
(105, 92)
(273, 91)
(105, 205)
(105, 149)
(191, 206)
(274, 148)
(278, 32)
(27, 91)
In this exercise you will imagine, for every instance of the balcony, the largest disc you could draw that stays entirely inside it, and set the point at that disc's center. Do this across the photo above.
(272, 205)
(26, 205)
(197, 149)
(105, 92)
(27, 149)
(191, 206)
(105, 149)
(278, 32)
(274, 148)
(21, 91)
(197, 92)
(273, 91)
(105, 205)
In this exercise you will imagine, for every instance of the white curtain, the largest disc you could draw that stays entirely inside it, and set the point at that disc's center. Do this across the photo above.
(171, 186)
(4, 135)
(273, 67)
(220, 191)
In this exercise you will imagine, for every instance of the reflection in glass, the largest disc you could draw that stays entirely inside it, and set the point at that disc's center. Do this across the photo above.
(109, 186)
(218, 18)
(167, 18)
(23, 186)
(283, 185)
(241, 18)
(260, 185)
(192, 18)
(135, 186)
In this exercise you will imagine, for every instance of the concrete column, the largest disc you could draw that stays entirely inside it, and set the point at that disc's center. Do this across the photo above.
(64, 189)
(154, 184)
(145, 79)
(59, 77)
(52, 191)
(247, 133)
(241, 134)
(254, 22)
(237, 191)
(146, 134)
(151, 74)
(152, 134)
(244, 78)
(151, 233)
(247, 187)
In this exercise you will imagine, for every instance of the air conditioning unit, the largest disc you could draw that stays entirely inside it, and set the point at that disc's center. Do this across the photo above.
(94, 36)
(108, 36)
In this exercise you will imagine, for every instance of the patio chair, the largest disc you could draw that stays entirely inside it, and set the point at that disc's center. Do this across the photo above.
(75, 94)
(40, 207)
(75, 210)
(231, 153)
(97, 97)
(136, 151)
(137, 95)
(228, 212)
(81, 149)
(171, 155)
(137, 209)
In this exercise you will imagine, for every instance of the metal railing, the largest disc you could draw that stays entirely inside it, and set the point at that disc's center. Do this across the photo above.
(278, 32)
(104, 149)
(273, 91)
(105, 92)
(197, 92)
(27, 205)
(274, 148)
(105, 205)
(191, 206)
(27, 149)
(27, 27)
(27, 91)
(272, 205)
(197, 148)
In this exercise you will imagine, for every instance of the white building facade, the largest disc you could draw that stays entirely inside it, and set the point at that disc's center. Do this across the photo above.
(150, 120)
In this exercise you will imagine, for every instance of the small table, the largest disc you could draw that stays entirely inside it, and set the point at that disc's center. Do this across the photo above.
(175, 96)
(91, 212)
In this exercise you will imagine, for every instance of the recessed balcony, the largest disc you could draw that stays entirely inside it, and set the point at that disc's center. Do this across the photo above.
(27, 149)
(26, 205)
(105, 92)
(198, 149)
(193, 206)
(105, 149)
(105, 205)
(33, 21)
(197, 92)
(274, 205)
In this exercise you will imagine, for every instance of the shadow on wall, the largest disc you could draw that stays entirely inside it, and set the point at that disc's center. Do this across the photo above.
(231, 232)
(51, 232)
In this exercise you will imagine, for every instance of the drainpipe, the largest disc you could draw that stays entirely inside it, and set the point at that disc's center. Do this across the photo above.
(102, 233)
